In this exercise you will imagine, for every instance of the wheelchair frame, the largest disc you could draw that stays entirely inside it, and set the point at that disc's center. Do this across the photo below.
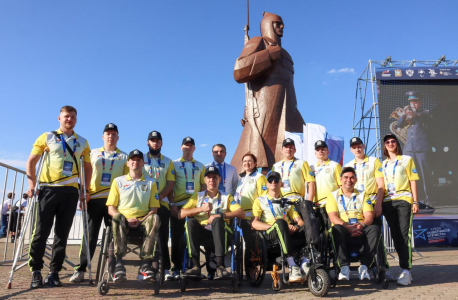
(106, 262)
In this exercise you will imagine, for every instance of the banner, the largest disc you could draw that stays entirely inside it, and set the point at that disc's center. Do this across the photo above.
(422, 114)
(430, 232)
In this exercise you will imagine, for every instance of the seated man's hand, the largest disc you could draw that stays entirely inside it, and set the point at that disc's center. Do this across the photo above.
(353, 230)
(212, 217)
(133, 223)
(292, 229)
(207, 207)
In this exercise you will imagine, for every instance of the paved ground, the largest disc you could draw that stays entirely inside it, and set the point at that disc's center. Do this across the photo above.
(435, 277)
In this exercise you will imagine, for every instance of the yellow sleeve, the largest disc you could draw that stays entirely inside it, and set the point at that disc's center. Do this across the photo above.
(261, 185)
(40, 145)
(292, 213)
(337, 171)
(113, 197)
(257, 210)
(202, 181)
(331, 204)
(412, 173)
(154, 197)
(367, 205)
(171, 172)
(232, 204)
(378, 170)
(192, 202)
(307, 173)
(87, 153)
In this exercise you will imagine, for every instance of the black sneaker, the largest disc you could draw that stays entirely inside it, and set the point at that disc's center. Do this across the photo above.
(145, 272)
(222, 272)
(53, 279)
(37, 280)
(120, 273)
(195, 271)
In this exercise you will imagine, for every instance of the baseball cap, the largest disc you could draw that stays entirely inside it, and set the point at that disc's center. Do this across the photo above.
(320, 144)
(111, 126)
(211, 170)
(389, 136)
(154, 135)
(273, 174)
(188, 139)
(136, 152)
(413, 96)
(288, 141)
(355, 140)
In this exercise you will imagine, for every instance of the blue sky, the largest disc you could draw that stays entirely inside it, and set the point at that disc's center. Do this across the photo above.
(167, 65)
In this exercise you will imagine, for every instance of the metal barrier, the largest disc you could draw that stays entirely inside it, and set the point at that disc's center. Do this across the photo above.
(389, 243)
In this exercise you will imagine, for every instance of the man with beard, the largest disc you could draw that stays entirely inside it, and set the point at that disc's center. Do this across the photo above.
(58, 194)
(189, 179)
(107, 163)
(161, 169)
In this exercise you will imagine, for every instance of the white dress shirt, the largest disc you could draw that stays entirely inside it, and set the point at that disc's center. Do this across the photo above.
(229, 179)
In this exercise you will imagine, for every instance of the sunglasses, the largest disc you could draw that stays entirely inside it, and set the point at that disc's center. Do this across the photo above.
(273, 179)
(390, 142)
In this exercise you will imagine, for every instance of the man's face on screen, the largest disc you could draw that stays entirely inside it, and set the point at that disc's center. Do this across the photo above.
(416, 105)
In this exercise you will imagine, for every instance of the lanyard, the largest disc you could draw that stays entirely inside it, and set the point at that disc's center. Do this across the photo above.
(364, 164)
(217, 206)
(157, 169)
(394, 170)
(65, 148)
(273, 212)
(290, 166)
(223, 171)
(186, 172)
(319, 170)
(112, 161)
(345, 206)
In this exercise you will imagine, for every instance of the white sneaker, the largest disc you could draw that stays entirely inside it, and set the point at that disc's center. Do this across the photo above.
(344, 273)
(168, 276)
(363, 273)
(77, 277)
(176, 274)
(295, 274)
(404, 278)
(305, 268)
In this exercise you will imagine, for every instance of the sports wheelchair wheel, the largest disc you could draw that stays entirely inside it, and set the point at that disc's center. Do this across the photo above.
(256, 259)
(276, 285)
(322, 284)
(103, 287)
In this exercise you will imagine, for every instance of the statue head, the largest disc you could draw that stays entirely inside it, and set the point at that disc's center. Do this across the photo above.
(272, 27)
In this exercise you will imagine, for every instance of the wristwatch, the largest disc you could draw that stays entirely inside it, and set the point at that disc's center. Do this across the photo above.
(172, 204)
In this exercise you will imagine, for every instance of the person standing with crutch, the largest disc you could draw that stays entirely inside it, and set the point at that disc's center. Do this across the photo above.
(108, 163)
(58, 196)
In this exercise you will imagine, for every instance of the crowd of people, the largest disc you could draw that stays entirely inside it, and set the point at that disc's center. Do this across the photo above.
(149, 191)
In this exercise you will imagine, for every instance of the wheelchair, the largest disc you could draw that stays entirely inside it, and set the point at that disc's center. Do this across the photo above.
(107, 261)
(328, 253)
(263, 255)
(234, 255)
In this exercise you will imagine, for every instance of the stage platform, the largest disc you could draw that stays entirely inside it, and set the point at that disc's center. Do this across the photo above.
(438, 227)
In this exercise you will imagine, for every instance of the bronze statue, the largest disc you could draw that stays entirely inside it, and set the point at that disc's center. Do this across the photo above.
(271, 106)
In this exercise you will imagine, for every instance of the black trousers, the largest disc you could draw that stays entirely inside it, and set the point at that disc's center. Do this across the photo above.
(248, 233)
(164, 216)
(279, 230)
(398, 214)
(197, 234)
(59, 203)
(97, 211)
(176, 236)
(369, 241)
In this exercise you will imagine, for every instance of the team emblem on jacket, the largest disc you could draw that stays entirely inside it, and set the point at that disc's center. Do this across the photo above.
(144, 187)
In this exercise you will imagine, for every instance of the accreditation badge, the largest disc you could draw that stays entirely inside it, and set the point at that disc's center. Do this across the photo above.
(67, 169)
(286, 186)
(190, 188)
(391, 189)
(352, 219)
(106, 179)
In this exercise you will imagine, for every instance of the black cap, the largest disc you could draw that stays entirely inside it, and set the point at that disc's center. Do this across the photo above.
(134, 153)
(355, 141)
(273, 174)
(288, 141)
(188, 139)
(348, 169)
(320, 144)
(111, 126)
(211, 170)
(154, 135)
(414, 96)
(389, 136)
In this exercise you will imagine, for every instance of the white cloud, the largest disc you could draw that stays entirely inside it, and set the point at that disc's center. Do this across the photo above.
(344, 70)
(17, 163)
(203, 145)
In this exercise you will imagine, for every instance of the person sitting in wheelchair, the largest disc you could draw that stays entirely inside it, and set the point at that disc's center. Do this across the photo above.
(132, 203)
(277, 221)
(208, 213)
(351, 214)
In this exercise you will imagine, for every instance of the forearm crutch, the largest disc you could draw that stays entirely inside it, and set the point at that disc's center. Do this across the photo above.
(28, 216)
(85, 219)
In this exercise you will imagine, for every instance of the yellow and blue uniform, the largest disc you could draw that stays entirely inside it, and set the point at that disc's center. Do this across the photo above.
(297, 173)
(367, 172)
(327, 178)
